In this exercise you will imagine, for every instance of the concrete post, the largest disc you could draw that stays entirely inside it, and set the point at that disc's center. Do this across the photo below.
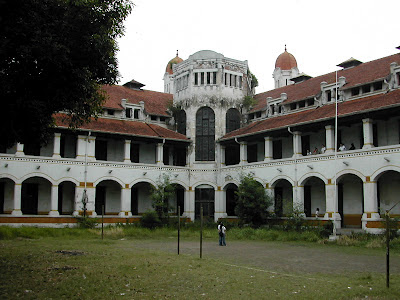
(332, 207)
(368, 133)
(54, 201)
(91, 148)
(189, 204)
(57, 145)
(268, 148)
(297, 144)
(160, 154)
(125, 202)
(330, 139)
(20, 150)
(243, 153)
(17, 200)
(220, 211)
(370, 203)
(127, 151)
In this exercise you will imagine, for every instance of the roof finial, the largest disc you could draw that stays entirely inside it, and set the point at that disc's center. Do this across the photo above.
(176, 52)
(285, 47)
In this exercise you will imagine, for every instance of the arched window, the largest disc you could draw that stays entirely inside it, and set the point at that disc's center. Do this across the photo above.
(181, 122)
(232, 120)
(205, 134)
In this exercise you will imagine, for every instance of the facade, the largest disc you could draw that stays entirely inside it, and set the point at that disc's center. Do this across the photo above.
(200, 133)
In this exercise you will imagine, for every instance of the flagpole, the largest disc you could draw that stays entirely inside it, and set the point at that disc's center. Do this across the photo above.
(336, 147)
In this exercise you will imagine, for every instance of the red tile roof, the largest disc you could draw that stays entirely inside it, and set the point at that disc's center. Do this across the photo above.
(364, 73)
(133, 128)
(155, 103)
(325, 112)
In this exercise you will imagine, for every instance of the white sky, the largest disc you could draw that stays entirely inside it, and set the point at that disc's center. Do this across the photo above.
(320, 34)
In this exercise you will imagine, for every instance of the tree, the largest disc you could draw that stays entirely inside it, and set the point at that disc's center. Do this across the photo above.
(160, 194)
(54, 56)
(253, 203)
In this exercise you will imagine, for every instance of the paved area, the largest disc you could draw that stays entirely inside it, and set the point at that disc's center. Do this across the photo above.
(287, 257)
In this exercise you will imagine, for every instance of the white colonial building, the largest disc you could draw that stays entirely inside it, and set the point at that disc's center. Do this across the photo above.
(201, 134)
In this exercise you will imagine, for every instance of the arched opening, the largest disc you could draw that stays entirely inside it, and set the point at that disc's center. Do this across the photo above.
(140, 198)
(6, 195)
(204, 197)
(35, 196)
(205, 134)
(388, 192)
(314, 196)
(178, 199)
(283, 197)
(66, 198)
(108, 193)
(231, 199)
(232, 120)
(350, 200)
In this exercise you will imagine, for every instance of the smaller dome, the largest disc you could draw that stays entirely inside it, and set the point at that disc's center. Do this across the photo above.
(286, 61)
(175, 60)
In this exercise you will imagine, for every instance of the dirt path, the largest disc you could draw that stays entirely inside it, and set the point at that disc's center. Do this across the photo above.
(286, 257)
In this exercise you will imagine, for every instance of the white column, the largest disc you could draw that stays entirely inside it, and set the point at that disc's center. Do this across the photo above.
(20, 150)
(54, 201)
(160, 154)
(80, 147)
(368, 133)
(127, 151)
(298, 198)
(370, 203)
(222, 155)
(332, 207)
(57, 144)
(330, 138)
(78, 205)
(243, 153)
(91, 148)
(189, 204)
(17, 200)
(220, 212)
(125, 202)
(297, 144)
(91, 194)
(268, 149)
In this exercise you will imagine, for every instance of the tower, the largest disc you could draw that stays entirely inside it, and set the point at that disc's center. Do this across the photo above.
(285, 69)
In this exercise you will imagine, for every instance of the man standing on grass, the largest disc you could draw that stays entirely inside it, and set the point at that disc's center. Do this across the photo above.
(222, 234)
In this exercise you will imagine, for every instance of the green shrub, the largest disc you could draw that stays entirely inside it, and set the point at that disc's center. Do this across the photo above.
(86, 222)
(326, 229)
(150, 220)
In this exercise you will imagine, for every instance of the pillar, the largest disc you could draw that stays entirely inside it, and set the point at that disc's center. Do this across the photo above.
(298, 199)
(125, 202)
(243, 153)
(222, 155)
(54, 201)
(268, 148)
(297, 144)
(332, 208)
(220, 204)
(370, 202)
(57, 145)
(17, 200)
(90, 198)
(127, 151)
(368, 133)
(91, 148)
(160, 154)
(189, 204)
(330, 139)
(20, 150)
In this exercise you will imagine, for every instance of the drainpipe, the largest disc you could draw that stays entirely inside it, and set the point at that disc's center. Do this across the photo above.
(84, 197)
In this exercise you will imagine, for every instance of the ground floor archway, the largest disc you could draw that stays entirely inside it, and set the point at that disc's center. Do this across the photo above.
(350, 197)
(108, 194)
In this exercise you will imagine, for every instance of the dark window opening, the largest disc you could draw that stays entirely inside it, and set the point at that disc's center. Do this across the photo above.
(162, 119)
(179, 156)
(110, 112)
(278, 197)
(251, 116)
(230, 79)
(166, 155)
(2, 190)
(234, 80)
(240, 82)
(29, 198)
(302, 104)
(355, 91)
(305, 144)
(214, 77)
(231, 200)
(293, 106)
(136, 114)
(252, 153)
(277, 149)
(258, 114)
(134, 201)
(232, 120)
(196, 78)
(205, 134)
(232, 155)
(366, 88)
(153, 118)
(208, 77)
(128, 112)
(204, 198)
(310, 102)
(375, 134)
(201, 78)
(329, 96)
(135, 153)
(32, 148)
(100, 200)
(226, 79)
(70, 142)
(378, 85)
(181, 122)
(272, 109)
(307, 200)
(101, 150)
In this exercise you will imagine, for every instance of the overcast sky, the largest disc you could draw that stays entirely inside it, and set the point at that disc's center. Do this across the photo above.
(320, 34)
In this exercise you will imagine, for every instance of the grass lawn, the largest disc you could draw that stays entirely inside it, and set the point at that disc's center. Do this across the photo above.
(79, 265)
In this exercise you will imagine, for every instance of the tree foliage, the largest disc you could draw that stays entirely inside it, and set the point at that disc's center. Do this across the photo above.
(160, 194)
(54, 56)
(253, 203)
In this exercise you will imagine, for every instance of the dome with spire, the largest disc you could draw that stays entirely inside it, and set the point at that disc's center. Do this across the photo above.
(286, 61)
(175, 60)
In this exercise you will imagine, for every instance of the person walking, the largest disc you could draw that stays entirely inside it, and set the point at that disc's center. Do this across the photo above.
(222, 234)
